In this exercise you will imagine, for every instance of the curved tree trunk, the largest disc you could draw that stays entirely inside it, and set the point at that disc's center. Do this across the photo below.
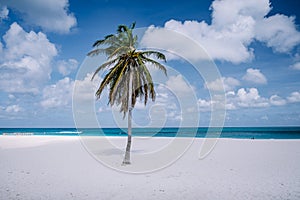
(126, 160)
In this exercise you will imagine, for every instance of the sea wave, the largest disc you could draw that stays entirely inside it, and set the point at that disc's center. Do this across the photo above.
(69, 132)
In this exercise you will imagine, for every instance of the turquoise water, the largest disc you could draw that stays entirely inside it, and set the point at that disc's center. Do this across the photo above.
(227, 132)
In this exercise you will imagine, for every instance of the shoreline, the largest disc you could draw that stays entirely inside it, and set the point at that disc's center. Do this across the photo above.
(200, 132)
(140, 136)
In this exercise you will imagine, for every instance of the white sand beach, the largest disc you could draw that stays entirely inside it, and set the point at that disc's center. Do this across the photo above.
(59, 167)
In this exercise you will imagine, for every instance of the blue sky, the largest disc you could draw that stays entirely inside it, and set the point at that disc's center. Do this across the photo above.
(254, 44)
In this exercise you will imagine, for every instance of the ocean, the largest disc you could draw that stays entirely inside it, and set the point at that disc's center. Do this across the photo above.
(202, 132)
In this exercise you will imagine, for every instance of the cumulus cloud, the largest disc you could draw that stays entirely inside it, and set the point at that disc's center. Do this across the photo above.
(278, 32)
(277, 100)
(295, 66)
(51, 15)
(243, 98)
(66, 67)
(85, 89)
(294, 97)
(255, 76)
(174, 44)
(178, 85)
(13, 109)
(25, 60)
(11, 96)
(235, 25)
(3, 13)
(250, 98)
(224, 83)
(59, 94)
(176, 97)
(217, 102)
(162, 95)
(204, 105)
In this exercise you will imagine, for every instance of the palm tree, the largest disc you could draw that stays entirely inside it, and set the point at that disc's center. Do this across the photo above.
(128, 77)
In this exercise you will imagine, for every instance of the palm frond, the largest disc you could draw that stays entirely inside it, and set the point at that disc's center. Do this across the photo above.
(122, 28)
(149, 81)
(104, 65)
(98, 42)
(144, 86)
(156, 64)
(96, 52)
(133, 25)
(157, 54)
(115, 84)
(108, 78)
(118, 51)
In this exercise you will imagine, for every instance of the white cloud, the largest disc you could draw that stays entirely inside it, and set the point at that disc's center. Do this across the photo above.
(11, 96)
(243, 98)
(164, 97)
(203, 40)
(233, 9)
(235, 25)
(224, 83)
(3, 13)
(278, 32)
(230, 101)
(161, 95)
(178, 85)
(247, 98)
(294, 97)
(59, 94)
(85, 89)
(230, 106)
(216, 103)
(277, 100)
(295, 66)
(13, 109)
(66, 67)
(177, 99)
(255, 76)
(25, 61)
(51, 15)
(251, 98)
(204, 105)
(173, 43)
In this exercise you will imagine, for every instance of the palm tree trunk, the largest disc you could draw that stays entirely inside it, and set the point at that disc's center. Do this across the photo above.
(126, 160)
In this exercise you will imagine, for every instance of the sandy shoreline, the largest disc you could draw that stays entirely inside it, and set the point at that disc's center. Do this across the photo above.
(58, 167)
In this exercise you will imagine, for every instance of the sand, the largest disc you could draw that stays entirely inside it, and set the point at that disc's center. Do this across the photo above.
(61, 167)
